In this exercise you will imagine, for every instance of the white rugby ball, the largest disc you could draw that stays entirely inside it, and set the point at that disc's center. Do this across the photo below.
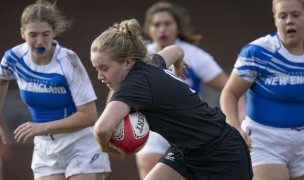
(131, 134)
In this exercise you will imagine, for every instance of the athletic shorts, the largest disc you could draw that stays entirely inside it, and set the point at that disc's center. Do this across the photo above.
(156, 144)
(226, 158)
(69, 154)
(271, 145)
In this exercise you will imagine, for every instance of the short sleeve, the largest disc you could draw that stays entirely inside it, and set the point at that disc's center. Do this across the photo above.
(251, 61)
(156, 60)
(6, 67)
(79, 82)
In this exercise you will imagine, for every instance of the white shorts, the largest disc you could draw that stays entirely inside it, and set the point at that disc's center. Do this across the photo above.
(69, 154)
(276, 146)
(156, 144)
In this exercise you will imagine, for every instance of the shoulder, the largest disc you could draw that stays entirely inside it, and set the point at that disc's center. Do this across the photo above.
(194, 53)
(63, 53)
(191, 49)
(155, 60)
(66, 56)
(151, 48)
(19, 50)
(14, 54)
(269, 43)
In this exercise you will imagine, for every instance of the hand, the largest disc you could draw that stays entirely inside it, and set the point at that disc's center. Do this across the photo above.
(116, 153)
(2, 135)
(28, 130)
(246, 137)
(111, 151)
(180, 69)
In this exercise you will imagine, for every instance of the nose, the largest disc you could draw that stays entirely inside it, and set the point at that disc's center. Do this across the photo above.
(39, 40)
(162, 27)
(290, 20)
(100, 76)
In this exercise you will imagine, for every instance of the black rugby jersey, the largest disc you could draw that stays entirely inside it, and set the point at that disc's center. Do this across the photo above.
(170, 106)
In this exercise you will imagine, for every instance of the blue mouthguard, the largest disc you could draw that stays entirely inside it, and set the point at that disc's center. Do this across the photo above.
(40, 49)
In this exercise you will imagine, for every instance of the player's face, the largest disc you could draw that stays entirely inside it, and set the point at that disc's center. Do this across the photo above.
(109, 71)
(289, 20)
(39, 37)
(163, 29)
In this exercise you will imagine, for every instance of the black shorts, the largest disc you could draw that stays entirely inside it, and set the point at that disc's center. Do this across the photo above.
(226, 158)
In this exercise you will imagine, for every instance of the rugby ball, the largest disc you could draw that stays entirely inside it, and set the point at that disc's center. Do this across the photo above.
(131, 134)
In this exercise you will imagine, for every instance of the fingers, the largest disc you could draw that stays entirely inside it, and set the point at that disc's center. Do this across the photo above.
(115, 153)
(2, 135)
(186, 65)
(3, 139)
(23, 133)
(184, 70)
(183, 77)
(248, 141)
(246, 137)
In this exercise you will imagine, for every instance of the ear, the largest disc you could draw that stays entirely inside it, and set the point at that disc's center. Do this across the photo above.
(22, 33)
(275, 21)
(129, 63)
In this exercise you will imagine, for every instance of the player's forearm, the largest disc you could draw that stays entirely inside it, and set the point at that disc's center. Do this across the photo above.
(84, 117)
(172, 54)
(102, 137)
(229, 105)
(3, 90)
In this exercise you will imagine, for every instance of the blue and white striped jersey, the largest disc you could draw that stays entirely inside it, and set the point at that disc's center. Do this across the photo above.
(50, 91)
(276, 97)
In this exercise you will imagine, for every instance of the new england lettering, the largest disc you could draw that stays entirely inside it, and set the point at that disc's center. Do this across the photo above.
(284, 80)
(41, 88)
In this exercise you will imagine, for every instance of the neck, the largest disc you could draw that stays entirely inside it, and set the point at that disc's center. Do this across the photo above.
(45, 59)
(296, 50)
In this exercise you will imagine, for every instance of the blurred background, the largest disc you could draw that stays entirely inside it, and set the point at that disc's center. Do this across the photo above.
(226, 26)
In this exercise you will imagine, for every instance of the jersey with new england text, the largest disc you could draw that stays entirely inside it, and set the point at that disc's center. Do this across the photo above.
(276, 96)
(172, 108)
(202, 66)
(50, 91)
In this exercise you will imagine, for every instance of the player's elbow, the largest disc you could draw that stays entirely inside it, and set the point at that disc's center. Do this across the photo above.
(100, 132)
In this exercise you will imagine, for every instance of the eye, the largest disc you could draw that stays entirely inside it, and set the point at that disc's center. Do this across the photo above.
(168, 23)
(156, 25)
(282, 16)
(296, 14)
(32, 34)
(102, 68)
(46, 34)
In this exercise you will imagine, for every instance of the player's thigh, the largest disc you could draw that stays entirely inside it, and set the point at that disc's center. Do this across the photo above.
(92, 176)
(147, 161)
(163, 172)
(52, 177)
(270, 172)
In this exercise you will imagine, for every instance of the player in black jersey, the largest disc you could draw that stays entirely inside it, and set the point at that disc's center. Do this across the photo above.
(203, 146)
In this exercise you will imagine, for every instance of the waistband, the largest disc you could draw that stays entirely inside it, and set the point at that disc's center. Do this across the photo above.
(208, 147)
(251, 121)
(47, 136)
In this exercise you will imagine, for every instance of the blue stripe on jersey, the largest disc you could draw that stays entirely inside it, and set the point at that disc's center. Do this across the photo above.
(47, 95)
(276, 97)
(192, 80)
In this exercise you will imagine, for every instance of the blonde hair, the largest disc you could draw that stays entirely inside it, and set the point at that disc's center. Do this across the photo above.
(274, 2)
(122, 40)
(45, 11)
